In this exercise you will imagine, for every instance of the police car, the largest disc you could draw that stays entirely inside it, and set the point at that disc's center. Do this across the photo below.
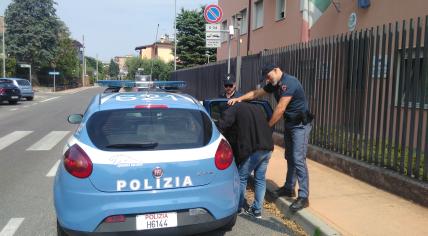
(149, 162)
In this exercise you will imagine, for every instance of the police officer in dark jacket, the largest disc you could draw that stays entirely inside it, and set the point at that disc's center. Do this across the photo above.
(230, 90)
(293, 107)
(252, 149)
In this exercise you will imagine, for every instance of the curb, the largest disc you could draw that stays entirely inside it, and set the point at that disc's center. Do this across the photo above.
(311, 224)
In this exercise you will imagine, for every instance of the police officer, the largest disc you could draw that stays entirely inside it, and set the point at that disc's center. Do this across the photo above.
(230, 90)
(293, 106)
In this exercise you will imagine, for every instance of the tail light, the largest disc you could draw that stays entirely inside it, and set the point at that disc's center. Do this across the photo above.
(77, 162)
(223, 156)
(2, 90)
(115, 219)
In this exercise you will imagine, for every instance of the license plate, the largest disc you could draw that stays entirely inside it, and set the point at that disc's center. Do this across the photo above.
(156, 221)
(14, 97)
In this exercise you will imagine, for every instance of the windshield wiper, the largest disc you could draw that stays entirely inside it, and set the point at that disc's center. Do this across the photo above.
(134, 145)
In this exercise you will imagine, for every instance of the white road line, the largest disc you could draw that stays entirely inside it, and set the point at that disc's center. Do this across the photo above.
(14, 109)
(52, 171)
(11, 227)
(49, 141)
(49, 99)
(26, 106)
(12, 137)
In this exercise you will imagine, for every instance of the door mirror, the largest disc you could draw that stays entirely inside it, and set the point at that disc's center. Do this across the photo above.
(75, 119)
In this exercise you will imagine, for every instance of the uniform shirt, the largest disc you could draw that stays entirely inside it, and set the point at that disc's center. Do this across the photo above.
(289, 86)
(252, 130)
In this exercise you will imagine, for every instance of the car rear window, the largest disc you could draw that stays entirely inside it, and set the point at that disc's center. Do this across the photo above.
(22, 82)
(149, 129)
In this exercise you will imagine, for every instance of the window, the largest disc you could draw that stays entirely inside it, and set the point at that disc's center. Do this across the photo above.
(224, 27)
(244, 22)
(258, 14)
(414, 87)
(149, 129)
(280, 9)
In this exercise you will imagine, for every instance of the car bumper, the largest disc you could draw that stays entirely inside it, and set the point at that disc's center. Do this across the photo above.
(180, 230)
(82, 208)
(27, 94)
(7, 97)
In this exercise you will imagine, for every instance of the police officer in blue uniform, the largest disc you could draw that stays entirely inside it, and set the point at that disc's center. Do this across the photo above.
(293, 107)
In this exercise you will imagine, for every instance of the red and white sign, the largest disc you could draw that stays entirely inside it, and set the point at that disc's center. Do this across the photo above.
(213, 13)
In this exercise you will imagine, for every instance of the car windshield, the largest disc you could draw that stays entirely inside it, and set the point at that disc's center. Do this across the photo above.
(149, 129)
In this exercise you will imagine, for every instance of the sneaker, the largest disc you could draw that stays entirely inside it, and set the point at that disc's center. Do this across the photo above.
(283, 192)
(253, 213)
(243, 209)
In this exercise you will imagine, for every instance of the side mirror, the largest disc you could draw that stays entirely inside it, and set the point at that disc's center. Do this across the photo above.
(75, 119)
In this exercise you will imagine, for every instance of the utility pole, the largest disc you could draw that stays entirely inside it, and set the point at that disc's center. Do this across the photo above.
(83, 62)
(3, 27)
(175, 35)
(154, 49)
(238, 54)
(97, 68)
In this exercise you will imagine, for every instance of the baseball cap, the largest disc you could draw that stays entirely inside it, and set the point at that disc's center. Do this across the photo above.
(266, 69)
(229, 80)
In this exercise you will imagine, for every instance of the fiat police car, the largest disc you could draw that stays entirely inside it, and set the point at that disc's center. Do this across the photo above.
(149, 162)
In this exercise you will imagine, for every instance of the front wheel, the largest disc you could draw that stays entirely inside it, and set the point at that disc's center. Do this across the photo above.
(30, 98)
(59, 230)
(13, 102)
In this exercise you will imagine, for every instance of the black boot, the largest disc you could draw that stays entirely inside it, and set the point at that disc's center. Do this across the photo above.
(283, 192)
(299, 204)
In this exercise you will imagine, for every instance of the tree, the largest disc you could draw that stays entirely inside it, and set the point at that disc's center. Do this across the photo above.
(161, 70)
(113, 69)
(91, 69)
(32, 31)
(191, 48)
(66, 56)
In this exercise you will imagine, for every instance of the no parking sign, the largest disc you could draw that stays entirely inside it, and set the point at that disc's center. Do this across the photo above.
(213, 14)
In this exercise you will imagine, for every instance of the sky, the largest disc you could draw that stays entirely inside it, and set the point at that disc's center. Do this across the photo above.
(116, 27)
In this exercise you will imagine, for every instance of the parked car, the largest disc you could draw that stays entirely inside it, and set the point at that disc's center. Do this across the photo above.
(9, 92)
(24, 86)
(147, 162)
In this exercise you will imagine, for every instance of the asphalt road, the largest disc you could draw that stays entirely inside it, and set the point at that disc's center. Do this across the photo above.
(32, 135)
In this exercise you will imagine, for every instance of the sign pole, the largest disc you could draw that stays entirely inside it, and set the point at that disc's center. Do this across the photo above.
(54, 80)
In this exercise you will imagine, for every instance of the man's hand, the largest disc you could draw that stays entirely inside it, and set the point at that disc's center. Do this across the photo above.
(232, 101)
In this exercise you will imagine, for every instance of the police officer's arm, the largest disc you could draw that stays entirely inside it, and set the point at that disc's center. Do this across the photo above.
(248, 96)
(279, 110)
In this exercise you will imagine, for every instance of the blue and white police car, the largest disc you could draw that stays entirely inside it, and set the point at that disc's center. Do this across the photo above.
(150, 162)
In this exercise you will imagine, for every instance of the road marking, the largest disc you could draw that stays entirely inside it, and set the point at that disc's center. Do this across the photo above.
(14, 109)
(26, 106)
(49, 99)
(12, 137)
(11, 227)
(49, 141)
(53, 170)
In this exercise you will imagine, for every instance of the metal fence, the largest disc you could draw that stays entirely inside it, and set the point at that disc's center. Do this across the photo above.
(368, 90)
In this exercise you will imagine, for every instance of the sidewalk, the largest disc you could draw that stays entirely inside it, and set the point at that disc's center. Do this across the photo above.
(353, 207)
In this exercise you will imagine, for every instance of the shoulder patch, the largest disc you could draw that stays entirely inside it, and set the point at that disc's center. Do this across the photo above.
(284, 88)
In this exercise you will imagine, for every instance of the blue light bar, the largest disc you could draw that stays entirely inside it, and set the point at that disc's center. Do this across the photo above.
(143, 84)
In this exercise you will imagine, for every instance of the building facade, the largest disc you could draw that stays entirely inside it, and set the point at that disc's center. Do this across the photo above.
(268, 24)
(163, 49)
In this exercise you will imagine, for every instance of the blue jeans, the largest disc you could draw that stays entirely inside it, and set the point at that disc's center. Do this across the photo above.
(258, 161)
(296, 139)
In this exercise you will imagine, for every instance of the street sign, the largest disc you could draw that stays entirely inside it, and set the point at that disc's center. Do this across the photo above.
(213, 14)
(25, 65)
(53, 73)
(213, 35)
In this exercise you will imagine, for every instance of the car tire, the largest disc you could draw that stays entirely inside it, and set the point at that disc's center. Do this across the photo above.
(13, 102)
(30, 98)
(229, 226)
(59, 230)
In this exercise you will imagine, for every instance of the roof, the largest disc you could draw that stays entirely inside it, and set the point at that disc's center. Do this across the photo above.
(166, 44)
(152, 98)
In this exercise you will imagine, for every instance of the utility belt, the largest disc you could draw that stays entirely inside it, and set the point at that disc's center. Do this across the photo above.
(305, 118)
